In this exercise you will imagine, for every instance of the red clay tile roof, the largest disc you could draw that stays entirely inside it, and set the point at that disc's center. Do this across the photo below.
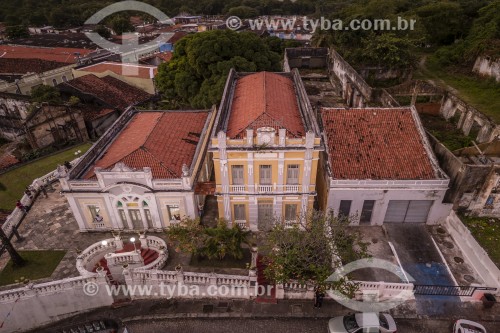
(130, 70)
(376, 144)
(111, 91)
(264, 100)
(92, 112)
(60, 54)
(25, 66)
(163, 141)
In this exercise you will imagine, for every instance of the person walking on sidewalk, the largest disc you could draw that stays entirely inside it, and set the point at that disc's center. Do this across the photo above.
(319, 294)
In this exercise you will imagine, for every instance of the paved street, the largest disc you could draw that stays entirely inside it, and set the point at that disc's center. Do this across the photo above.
(295, 325)
(242, 316)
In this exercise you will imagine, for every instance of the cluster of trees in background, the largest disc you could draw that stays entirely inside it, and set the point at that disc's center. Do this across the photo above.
(464, 28)
(197, 72)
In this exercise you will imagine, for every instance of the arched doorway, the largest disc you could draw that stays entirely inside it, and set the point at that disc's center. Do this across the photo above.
(134, 212)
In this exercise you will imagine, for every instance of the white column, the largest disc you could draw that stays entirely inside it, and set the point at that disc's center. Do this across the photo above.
(76, 212)
(116, 223)
(250, 175)
(156, 215)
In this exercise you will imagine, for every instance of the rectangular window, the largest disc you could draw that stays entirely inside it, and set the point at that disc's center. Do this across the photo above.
(366, 212)
(265, 175)
(237, 174)
(123, 217)
(290, 212)
(239, 212)
(345, 208)
(174, 213)
(292, 174)
(148, 217)
(94, 210)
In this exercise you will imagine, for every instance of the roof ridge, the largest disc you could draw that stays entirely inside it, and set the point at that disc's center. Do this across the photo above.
(154, 127)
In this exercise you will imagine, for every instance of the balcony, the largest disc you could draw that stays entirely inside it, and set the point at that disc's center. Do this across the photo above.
(265, 188)
(290, 223)
(241, 223)
(291, 188)
(238, 188)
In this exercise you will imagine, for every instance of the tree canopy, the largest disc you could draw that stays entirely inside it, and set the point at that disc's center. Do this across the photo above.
(201, 62)
(210, 242)
(312, 254)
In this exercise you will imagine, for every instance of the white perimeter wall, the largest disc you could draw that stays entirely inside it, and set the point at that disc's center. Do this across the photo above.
(29, 307)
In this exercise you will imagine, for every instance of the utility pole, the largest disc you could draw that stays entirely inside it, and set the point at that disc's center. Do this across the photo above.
(17, 260)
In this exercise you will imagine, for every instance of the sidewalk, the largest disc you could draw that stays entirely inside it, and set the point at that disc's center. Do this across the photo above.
(151, 310)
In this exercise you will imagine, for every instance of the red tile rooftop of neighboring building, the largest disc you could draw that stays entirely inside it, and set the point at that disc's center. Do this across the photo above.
(25, 66)
(112, 91)
(376, 143)
(60, 54)
(264, 100)
(163, 141)
(130, 70)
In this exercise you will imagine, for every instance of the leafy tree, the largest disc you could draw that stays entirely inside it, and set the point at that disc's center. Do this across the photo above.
(17, 31)
(210, 242)
(243, 12)
(442, 20)
(312, 254)
(44, 93)
(120, 24)
(389, 50)
(103, 31)
(198, 70)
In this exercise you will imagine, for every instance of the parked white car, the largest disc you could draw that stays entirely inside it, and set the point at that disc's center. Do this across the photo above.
(367, 322)
(467, 326)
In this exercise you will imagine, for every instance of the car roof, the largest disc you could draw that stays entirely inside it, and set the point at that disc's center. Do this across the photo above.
(478, 328)
(367, 319)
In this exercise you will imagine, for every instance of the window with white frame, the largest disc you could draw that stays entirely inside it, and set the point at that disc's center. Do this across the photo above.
(174, 213)
(237, 174)
(292, 174)
(239, 212)
(265, 175)
(290, 212)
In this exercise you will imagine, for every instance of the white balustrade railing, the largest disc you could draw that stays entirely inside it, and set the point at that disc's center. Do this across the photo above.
(97, 249)
(12, 221)
(265, 188)
(290, 223)
(241, 223)
(238, 188)
(291, 188)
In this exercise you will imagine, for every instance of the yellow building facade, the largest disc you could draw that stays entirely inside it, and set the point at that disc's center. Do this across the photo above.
(265, 151)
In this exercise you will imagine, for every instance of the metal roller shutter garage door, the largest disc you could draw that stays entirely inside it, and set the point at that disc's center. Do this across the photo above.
(411, 211)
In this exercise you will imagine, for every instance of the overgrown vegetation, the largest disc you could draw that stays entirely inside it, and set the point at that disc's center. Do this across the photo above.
(486, 231)
(39, 265)
(209, 242)
(446, 132)
(311, 255)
